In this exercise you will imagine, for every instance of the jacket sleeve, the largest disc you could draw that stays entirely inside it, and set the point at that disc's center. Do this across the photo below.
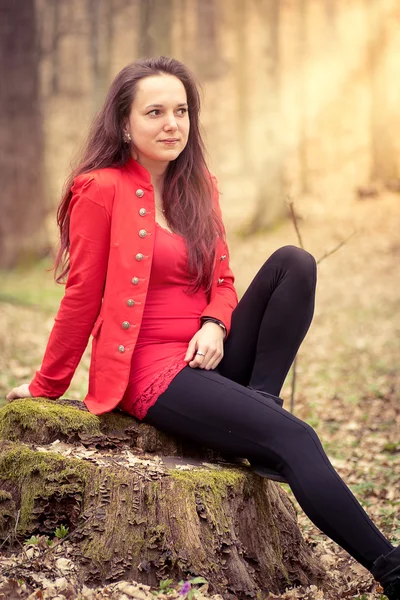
(223, 295)
(89, 232)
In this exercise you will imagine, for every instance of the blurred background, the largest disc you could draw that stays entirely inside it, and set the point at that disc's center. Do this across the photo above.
(301, 104)
(301, 97)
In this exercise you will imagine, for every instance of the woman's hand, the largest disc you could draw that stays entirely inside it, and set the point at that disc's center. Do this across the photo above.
(209, 341)
(22, 391)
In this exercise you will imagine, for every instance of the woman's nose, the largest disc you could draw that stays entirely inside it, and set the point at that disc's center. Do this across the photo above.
(171, 123)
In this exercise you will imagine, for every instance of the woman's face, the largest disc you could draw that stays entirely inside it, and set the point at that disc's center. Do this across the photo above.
(159, 120)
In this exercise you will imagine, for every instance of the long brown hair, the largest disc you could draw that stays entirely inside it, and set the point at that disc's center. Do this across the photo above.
(187, 194)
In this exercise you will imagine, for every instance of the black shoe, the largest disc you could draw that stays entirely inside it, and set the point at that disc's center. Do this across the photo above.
(386, 570)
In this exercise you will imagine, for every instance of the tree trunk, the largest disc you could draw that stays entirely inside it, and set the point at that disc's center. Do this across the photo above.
(100, 40)
(156, 20)
(270, 199)
(384, 167)
(55, 48)
(302, 95)
(208, 55)
(22, 202)
(331, 10)
(241, 81)
(144, 506)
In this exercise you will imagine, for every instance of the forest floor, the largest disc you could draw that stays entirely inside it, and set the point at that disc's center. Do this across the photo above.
(348, 370)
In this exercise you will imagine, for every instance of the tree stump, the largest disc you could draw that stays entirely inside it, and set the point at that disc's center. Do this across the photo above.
(142, 505)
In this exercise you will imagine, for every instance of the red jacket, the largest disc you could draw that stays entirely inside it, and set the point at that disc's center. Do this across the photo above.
(112, 230)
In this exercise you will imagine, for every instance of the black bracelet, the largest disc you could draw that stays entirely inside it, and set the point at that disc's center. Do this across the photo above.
(216, 321)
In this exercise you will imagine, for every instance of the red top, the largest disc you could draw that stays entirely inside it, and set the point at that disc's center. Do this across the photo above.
(170, 320)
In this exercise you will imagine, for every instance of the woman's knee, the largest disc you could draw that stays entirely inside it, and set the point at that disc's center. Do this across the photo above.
(294, 257)
(303, 438)
(297, 264)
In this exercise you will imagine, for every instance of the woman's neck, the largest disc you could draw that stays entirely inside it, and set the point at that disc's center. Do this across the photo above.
(156, 171)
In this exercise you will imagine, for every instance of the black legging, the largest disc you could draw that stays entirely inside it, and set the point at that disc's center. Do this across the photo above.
(217, 409)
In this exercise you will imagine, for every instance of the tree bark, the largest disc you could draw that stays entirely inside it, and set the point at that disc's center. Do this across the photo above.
(384, 167)
(55, 49)
(241, 81)
(331, 15)
(156, 20)
(270, 199)
(302, 94)
(208, 55)
(145, 506)
(101, 19)
(23, 237)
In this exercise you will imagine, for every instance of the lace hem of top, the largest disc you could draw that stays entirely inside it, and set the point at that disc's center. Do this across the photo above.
(157, 387)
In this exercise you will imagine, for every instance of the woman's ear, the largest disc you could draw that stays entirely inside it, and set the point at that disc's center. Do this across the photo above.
(126, 135)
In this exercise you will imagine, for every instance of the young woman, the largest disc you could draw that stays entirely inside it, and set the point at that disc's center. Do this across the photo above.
(143, 245)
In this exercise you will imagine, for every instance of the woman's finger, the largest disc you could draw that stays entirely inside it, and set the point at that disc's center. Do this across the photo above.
(209, 358)
(201, 356)
(190, 350)
(216, 361)
(197, 360)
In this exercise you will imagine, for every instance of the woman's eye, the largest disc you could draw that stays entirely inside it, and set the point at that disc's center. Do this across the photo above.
(157, 112)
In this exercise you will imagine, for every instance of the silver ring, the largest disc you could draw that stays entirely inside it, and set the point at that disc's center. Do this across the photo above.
(201, 353)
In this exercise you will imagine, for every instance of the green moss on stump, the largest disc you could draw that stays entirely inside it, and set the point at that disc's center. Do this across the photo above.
(41, 477)
(211, 488)
(114, 421)
(41, 421)
(5, 496)
(217, 479)
(38, 418)
(7, 512)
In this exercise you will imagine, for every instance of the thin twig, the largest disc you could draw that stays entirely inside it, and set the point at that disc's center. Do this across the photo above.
(335, 249)
(295, 223)
(16, 536)
(9, 535)
(13, 535)
(339, 245)
(23, 549)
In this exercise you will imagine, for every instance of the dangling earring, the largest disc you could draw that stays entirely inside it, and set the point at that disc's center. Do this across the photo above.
(127, 137)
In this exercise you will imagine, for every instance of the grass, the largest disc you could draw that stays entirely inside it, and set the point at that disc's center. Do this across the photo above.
(32, 287)
(29, 300)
